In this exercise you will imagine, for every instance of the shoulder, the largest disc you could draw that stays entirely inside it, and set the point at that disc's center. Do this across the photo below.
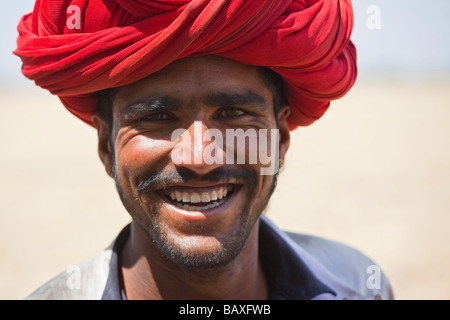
(83, 281)
(348, 264)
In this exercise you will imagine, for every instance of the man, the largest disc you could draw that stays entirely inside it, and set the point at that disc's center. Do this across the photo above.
(172, 88)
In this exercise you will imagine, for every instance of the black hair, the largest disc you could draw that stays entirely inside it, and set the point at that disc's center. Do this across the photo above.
(275, 83)
(271, 79)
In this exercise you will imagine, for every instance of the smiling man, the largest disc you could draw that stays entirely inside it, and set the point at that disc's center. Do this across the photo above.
(193, 101)
(202, 218)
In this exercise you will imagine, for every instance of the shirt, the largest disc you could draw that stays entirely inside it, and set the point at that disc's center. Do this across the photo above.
(296, 266)
(288, 276)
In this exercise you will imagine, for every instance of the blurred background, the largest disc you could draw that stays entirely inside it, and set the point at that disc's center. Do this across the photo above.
(373, 173)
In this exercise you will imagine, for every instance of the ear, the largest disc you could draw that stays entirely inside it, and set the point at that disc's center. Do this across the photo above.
(104, 147)
(284, 136)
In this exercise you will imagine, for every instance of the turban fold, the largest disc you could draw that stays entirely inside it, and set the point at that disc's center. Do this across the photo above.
(117, 42)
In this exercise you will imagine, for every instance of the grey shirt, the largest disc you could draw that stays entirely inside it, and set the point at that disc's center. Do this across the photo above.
(296, 266)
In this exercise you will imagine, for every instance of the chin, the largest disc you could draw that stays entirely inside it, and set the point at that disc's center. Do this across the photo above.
(200, 252)
(204, 244)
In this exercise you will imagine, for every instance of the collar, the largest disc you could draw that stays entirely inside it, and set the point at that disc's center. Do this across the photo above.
(288, 276)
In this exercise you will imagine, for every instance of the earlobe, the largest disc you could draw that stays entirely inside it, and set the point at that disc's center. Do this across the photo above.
(104, 147)
(284, 132)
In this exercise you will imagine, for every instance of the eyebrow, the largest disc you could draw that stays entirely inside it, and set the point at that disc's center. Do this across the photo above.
(169, 103)
(149, 104)
(235, 99)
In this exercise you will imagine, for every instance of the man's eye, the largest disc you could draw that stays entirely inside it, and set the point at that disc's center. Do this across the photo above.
(161, 116)
(231, 113)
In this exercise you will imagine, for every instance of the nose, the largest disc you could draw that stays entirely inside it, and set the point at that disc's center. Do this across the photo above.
(198, 148)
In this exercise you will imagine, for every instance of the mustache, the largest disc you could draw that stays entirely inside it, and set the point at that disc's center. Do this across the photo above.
(162, 179)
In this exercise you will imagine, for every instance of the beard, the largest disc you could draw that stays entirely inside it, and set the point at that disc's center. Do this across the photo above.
(215, 251)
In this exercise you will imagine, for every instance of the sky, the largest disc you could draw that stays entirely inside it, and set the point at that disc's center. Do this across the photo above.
(409, 38)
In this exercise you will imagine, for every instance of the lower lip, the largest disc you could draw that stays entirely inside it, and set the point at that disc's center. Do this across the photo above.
(193, 216)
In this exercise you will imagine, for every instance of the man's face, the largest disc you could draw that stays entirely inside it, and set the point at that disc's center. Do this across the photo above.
(198, 213)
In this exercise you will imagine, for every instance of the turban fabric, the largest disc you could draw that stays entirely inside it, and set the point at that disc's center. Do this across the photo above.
(118, 42)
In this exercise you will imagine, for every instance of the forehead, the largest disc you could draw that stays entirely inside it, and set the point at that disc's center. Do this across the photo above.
(195, 77)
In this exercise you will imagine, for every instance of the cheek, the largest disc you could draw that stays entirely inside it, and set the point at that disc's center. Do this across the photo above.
(258, 199)
(260, 152)
(140, 155)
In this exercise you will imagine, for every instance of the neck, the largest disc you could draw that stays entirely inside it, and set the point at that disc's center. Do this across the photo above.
(146, 275)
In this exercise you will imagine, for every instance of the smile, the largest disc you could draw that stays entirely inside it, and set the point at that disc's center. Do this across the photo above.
(199, 199)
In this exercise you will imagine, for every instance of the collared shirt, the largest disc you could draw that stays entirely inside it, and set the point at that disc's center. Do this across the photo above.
(296, 266)
(290, 273)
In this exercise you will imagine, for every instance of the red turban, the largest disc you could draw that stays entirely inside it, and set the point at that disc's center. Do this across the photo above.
(118, 42)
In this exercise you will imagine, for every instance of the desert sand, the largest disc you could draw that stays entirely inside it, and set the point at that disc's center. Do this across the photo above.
(373, 173)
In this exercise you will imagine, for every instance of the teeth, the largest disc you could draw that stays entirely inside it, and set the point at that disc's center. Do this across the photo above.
(186, 197)
(195, 197)
(210, 199)
(205, 197)
(199, 208)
